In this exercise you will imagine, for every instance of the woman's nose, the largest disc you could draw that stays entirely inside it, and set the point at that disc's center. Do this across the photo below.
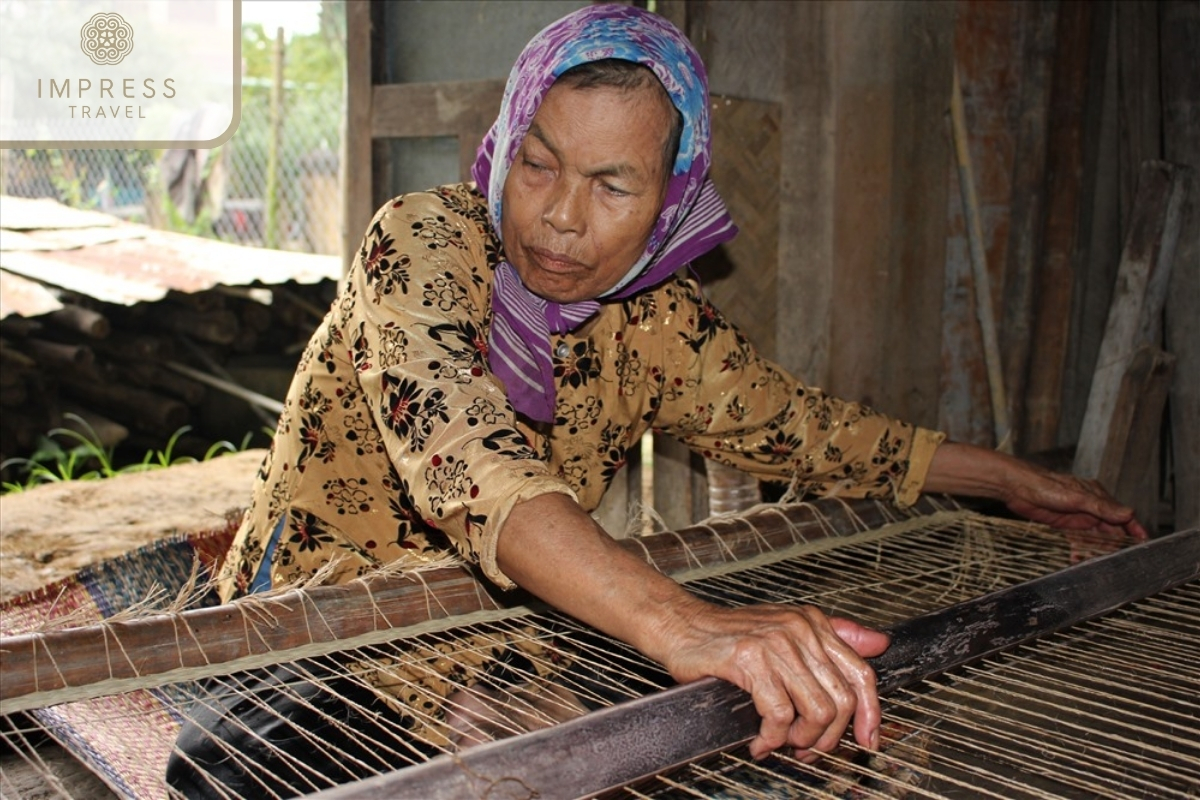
(566, 207)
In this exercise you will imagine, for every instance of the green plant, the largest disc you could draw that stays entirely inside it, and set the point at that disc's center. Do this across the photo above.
(68, 177)
(84, 458)
(171, 217)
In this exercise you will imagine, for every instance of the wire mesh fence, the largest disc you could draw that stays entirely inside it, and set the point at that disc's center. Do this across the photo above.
(273, 184)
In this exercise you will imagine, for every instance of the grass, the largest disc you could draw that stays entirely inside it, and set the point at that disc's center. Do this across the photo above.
(81, 457)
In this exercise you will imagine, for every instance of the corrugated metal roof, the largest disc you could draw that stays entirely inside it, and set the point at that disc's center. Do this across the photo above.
(24, 297)
(105, 258)
(24, 214)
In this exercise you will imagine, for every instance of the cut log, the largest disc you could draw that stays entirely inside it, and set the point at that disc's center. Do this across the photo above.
(12, 376)
(97, 427)
(81, 320)
(139, 408)
(19, 327)
(154, 376)
(215, 327)
(127, 346)
(198, 301)
(13, 395)
(56, 354)
(255, 317)
(12, 358)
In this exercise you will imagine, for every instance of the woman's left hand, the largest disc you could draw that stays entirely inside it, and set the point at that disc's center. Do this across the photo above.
(1062, 501)
(1069, 503)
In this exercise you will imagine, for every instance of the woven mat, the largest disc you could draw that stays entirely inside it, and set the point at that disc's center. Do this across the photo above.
(125, 739)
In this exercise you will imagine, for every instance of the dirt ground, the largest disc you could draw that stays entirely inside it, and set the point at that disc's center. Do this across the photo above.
(49, 532)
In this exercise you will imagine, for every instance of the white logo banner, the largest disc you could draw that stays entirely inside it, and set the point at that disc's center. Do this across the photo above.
(119, 73)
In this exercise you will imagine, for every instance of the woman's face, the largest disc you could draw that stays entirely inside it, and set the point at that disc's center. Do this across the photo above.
(585, 189)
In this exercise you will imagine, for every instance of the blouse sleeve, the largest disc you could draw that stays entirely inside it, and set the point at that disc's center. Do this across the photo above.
(414, 318)
(739, 409)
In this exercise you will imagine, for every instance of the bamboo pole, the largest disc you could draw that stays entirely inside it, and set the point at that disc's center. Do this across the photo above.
(983, 286)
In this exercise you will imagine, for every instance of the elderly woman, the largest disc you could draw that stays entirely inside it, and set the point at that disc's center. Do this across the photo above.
(497, 348)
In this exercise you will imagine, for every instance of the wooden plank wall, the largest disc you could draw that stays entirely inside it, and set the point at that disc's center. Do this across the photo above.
(1027, 210)
(862, 200)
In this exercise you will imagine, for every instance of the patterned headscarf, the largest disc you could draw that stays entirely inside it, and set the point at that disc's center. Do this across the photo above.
(693, 219)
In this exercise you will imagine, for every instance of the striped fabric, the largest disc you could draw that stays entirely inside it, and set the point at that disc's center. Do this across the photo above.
(125, 738)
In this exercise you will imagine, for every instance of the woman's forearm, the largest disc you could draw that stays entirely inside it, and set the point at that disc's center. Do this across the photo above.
(963, 469)
(552, 548)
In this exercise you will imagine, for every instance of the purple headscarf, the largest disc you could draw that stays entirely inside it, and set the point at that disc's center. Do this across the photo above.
(693, 219)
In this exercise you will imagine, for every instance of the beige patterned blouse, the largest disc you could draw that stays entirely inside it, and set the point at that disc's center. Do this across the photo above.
(397, 443)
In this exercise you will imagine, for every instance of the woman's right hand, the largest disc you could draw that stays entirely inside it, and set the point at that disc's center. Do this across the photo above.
(804, 670)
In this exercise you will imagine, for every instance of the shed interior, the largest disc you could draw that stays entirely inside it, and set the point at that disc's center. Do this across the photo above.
(835, 148)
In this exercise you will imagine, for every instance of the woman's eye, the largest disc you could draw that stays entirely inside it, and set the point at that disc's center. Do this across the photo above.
(615, 191)
(535, 165)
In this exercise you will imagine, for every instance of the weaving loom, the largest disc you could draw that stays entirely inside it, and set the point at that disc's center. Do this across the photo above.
(1107, 708)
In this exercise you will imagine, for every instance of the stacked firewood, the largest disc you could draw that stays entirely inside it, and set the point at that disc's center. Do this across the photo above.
(135, 375)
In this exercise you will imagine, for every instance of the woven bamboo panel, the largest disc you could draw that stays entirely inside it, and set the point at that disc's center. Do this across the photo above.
(740, 277)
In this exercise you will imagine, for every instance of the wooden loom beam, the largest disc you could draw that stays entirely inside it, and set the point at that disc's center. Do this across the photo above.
(116, 655)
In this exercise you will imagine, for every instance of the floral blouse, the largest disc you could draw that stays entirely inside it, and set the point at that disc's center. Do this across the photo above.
(397, 445)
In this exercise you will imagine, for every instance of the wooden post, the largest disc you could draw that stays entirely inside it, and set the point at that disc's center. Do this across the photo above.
(1097, 252)
(271, 234)
(1181, 139)
(357, 194)
(1135, 317)
(674, 492)
(613, 513)
(1133, 437)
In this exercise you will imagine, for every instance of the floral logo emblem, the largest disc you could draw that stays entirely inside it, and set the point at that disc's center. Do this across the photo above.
(106, 38)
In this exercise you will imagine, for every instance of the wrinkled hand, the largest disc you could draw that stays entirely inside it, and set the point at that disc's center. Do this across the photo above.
(1072, 504)
(805, 672)
(1061, 501)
